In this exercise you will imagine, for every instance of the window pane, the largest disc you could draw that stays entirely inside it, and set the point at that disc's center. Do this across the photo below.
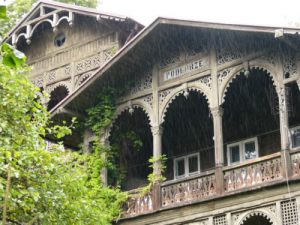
(234, 154)
(193, 164)
(250, 152)
(296, 138)
(180, 167)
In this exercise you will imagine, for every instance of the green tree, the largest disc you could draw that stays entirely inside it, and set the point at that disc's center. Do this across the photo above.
(19, 8)
(38, 186)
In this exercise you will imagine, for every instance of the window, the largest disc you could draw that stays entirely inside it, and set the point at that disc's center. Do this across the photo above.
(241, 151)
(295, 137)
(186, 165)
(60, 39)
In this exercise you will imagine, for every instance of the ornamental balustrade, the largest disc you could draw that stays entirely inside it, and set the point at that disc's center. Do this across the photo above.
(263, 171)
(295, 160)
(138, 204)
(253, 173)
(185, 191)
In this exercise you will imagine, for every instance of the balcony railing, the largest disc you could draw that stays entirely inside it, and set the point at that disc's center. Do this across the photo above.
(138, 204)
(264, 171)
(252, 173)
(188, 190)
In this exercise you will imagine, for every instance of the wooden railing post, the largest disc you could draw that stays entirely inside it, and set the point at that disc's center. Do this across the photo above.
(286, 165)
(217, 114)
(156, 196)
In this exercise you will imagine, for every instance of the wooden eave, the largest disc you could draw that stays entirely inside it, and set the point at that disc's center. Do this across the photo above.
(37, 14)
(131, 46)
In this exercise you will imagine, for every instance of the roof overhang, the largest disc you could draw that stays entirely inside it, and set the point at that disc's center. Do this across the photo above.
(130, 46)
(54, 13)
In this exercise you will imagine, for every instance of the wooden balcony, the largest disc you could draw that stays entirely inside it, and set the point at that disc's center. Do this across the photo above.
(253, 174)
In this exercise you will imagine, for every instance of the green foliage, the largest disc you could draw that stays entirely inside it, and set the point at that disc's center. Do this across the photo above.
(154, 178)
(2, 11)
(38, 186)
(19, 8)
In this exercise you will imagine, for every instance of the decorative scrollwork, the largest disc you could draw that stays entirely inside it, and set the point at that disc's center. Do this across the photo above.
(138, 204)
(289, 65)
(68, 70)
(206, 80)
(296, 164)
(222, 75)
(51, 76)
(39, 81)
(88, 64)
(163, 94)
(252, 175)
(269, 58)
(142, 84)
(195, 189)
(149, 99)
(171, 59)
(225, 55)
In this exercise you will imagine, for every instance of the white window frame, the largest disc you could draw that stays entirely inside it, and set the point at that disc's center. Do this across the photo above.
(292, 130)
(186, 165)
(242, 150)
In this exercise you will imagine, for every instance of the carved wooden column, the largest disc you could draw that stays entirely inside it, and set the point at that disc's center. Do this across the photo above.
(157, 147)
(217, 113)
(284, 134)
(157, 152)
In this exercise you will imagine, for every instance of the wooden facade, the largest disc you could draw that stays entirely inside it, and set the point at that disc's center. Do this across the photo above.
(222, 102)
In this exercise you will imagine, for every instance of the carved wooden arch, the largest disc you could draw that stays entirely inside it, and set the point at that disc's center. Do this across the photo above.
(19, 36)
(134, 104)
(65, 84)
(236, 71)
(30, 28)
(37, 24)
(259, 212)
(178, 91)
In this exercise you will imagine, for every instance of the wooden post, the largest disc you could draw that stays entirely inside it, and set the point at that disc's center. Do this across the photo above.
(219, 155)
(157, 152)
(286, 166)
(157, 148)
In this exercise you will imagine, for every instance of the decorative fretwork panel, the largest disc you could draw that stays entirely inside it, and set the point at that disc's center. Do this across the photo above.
(296, 164)
(269, 58)
(163, 94)
(149, 99)
(51, 76)
(220, 220)
(225, 55)
(251, 175)
(206, 80)
(222, 75)
(289, 65)
(138, 204)
(289, 212)
(105, 46)
(170, 59)
(88, 64)
(143, 84)
(195, 189)
(39, 81)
